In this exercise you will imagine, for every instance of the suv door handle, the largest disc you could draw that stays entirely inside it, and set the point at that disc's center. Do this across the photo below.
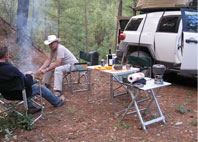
(191, 40)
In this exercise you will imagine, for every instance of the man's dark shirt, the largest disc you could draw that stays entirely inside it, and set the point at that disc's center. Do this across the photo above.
(9, 72)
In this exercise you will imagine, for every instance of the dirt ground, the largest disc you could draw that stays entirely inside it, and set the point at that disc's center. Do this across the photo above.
(80, 121)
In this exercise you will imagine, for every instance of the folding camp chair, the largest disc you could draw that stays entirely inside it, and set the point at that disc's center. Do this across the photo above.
(142, 62)
(82, 73)
(16, 87)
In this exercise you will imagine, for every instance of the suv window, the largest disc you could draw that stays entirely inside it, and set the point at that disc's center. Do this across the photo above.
(169, 24)
(190, 20)
(123, 24)
(134, 24)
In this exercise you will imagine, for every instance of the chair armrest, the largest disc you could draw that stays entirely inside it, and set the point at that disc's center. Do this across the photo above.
(80, 63)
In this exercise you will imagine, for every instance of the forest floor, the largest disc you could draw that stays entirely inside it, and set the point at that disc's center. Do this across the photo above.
(80, 121)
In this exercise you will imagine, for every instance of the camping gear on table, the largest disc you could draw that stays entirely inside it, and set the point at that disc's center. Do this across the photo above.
(135, 76)
(158, 71)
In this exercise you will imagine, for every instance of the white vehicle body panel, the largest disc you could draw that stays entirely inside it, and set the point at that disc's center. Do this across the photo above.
(165, 42)
(190, 52)
(163, 46)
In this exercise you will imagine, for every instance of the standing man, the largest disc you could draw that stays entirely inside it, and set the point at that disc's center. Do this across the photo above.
(9, 72)
(63, 58)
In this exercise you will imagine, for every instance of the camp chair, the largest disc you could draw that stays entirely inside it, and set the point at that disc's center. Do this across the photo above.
(82, 73)
(16, 87)
(142, 62)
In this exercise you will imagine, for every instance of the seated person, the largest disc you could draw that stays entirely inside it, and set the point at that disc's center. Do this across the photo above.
(64, 59)
(9, 72)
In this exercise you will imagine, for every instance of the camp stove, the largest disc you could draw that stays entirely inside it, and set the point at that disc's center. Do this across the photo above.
(158, 71)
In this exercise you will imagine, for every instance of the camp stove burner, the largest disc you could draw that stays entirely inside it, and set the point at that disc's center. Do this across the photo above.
(158, 71)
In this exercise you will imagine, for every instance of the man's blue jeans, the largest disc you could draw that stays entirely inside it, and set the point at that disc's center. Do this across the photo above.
(47, 94)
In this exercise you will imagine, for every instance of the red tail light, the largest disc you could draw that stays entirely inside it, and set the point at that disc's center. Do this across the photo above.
(122, 36)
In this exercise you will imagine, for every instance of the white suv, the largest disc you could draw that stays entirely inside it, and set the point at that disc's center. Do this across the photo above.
(168, 37)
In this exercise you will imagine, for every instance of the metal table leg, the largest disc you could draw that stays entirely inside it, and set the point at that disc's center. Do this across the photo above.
(111, 92)
(134, 102)
(131, 103)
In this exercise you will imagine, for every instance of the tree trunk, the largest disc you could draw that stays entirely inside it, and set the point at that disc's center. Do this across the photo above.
(120, 8)
(12, 3)
(22, 18)
(86, 33)
(134, 5)
(45, 27)
(32, 24)
(119, 15)
(59, 16)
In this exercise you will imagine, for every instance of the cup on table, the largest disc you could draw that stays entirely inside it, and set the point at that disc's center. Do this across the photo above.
(128, 66)
(102, 62)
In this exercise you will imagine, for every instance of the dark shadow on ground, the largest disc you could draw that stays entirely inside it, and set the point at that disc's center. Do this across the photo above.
(180, 80)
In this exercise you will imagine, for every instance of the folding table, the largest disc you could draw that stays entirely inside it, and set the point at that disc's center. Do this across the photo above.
(112, 74)
(134, 91)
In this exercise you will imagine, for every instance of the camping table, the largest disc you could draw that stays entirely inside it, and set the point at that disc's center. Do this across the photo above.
(149, 87)
(112, 74)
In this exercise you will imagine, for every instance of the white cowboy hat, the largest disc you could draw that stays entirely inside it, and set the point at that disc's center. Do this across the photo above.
(51, 38)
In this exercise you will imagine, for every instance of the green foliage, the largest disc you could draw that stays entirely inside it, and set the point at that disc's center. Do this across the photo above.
(127, 10)
(13, 121)
(66, 18)
(25, 122)
(71, 110)
(8, 123)
(154, 115)
(189, 94)
(180, 109)
(124, 125)
(193, 122)
(116, 125)
(8, 10)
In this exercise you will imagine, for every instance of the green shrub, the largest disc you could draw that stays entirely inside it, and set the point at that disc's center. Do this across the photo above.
(180, 109)
(193, 122)
(12, 121)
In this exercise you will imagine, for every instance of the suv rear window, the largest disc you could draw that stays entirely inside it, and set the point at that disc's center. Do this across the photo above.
(134, 24)
(123, 24)
(169, 24)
